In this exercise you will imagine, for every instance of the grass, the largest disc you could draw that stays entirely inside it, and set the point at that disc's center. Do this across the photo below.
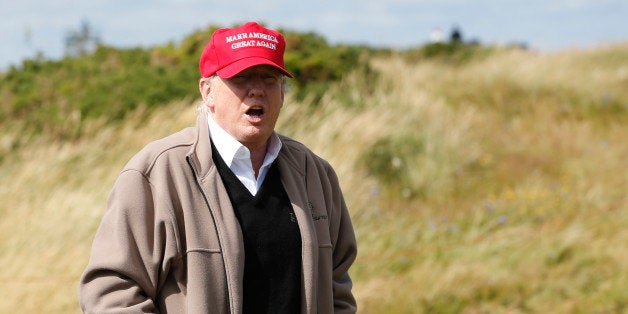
(497, 185)
(54, 201)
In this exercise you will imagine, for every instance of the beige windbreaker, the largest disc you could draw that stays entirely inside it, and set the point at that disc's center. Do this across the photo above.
(169, 241)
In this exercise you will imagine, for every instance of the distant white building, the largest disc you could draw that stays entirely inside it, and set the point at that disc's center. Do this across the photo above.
(436, 36)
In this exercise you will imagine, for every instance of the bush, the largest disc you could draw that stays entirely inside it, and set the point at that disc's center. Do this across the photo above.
(110, 82)
(316, 64)
(392, 161)
(449, 52)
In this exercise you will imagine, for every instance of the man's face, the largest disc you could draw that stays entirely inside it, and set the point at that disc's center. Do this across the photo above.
(246, 105)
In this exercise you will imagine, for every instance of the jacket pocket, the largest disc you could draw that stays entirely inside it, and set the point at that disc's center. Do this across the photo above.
(325, 298)
(207, 281)
(322, 233)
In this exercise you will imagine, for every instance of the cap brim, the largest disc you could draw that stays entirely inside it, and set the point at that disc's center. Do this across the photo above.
(243, 64)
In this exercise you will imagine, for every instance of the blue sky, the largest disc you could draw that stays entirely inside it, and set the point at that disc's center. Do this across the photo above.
(29, 26)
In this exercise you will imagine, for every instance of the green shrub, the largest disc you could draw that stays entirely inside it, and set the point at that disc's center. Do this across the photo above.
(449, 52)
(110, 82)
(392, 161)
(316, 64)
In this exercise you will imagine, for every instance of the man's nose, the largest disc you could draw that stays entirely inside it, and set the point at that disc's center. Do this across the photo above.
(256, 86)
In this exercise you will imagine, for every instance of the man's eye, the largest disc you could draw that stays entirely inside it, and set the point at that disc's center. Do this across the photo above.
(239, 78)
(270, 79)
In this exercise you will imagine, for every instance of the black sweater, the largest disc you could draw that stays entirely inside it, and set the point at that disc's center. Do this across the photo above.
(272, 242)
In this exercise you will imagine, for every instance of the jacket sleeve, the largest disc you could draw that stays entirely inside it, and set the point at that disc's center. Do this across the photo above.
(344, 251)
(128, 251)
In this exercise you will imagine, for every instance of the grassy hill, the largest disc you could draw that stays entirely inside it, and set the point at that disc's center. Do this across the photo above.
(486, 182)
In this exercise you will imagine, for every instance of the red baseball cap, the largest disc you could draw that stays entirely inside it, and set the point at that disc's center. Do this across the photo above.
(232, 50)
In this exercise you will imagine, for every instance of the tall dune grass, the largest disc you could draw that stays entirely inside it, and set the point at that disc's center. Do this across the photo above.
(498, 185)
(495, 185)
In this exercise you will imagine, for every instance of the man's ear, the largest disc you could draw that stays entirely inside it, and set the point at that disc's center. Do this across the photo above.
(204, 87)
(282, 97)
(284, 87)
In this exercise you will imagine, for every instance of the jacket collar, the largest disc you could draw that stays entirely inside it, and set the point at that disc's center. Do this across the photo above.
(201, 152)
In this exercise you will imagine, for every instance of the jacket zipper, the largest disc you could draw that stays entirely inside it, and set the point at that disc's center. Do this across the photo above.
(198, 185)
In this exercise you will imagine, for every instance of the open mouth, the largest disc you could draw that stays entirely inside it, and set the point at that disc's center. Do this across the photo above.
(255, 112)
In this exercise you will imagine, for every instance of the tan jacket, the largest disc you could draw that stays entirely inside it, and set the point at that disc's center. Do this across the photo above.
(170, 242)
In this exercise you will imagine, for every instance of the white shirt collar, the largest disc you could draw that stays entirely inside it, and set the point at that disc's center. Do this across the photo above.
(226, 144)
(238, 157)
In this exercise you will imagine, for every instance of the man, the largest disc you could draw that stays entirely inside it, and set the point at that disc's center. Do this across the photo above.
(227, 216)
